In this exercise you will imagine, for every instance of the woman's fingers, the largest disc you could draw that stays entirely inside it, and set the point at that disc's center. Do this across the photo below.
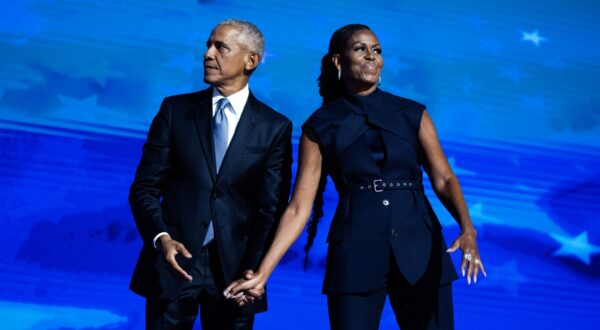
(240, 286)
(228, 290)
(454, 246)
(482, 268)
(470, 271)
(471, 264)
(466, 257)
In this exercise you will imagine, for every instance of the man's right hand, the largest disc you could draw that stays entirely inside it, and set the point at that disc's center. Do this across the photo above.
(170, 249)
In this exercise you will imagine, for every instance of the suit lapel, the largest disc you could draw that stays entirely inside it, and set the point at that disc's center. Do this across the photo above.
(203, 121)
(240, 137)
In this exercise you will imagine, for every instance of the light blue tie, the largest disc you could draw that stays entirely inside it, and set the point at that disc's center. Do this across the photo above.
(220, 136)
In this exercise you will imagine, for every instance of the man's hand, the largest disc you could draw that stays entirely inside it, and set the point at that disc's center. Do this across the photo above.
(170, 249)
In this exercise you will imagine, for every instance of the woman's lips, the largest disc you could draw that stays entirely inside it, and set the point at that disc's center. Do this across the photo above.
(371, 66)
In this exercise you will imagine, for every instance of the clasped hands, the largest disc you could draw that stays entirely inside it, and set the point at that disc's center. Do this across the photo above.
(246, 290)
(243, 291)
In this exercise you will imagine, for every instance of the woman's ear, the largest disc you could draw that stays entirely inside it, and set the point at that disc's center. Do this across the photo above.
(337, 61)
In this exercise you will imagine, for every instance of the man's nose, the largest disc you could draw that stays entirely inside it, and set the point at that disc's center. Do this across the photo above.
(209, 53)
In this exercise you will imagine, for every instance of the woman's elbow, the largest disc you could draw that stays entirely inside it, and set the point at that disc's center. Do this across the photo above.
(444, 181)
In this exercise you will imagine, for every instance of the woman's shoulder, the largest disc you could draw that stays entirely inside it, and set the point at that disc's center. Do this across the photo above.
(323, 122)
(400, 103)
(327, 113)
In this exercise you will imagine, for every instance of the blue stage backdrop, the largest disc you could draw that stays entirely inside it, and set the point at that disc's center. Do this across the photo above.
(512, 87)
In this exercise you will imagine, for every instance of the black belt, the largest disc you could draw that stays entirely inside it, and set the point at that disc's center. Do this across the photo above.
(379, 185)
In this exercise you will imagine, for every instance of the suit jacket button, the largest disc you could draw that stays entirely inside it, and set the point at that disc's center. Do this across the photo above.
(213, 195)
(394, 233)
(203, 225)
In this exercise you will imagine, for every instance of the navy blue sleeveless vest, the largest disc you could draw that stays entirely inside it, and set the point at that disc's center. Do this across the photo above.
(371, 150)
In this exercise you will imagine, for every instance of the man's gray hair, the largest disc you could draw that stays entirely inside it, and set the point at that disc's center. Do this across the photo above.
(250, 35)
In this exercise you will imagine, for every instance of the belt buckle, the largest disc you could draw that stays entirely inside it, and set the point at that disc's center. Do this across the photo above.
(375, 187)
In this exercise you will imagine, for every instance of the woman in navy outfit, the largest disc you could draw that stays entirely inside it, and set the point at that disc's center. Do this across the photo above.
(384, 238)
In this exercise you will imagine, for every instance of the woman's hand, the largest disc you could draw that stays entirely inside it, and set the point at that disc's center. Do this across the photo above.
(246, 290)
(468, 245)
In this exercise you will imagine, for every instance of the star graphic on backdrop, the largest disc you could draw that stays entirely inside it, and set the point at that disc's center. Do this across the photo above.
(511, 73)
(490, 45)
(459, 170)
(506, 276)
(480, 218)
(534, 37)
(535, 102)
(577, 247)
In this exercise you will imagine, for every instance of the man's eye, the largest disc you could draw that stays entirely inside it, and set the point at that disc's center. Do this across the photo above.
(377, 51)
(359, 49)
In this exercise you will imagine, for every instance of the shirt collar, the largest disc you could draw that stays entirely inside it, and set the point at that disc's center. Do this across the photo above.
(237, 100)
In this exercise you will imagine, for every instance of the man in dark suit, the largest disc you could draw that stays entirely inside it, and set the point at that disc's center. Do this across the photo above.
(212, 182)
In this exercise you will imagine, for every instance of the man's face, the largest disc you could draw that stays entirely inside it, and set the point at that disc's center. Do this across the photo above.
(225, 59)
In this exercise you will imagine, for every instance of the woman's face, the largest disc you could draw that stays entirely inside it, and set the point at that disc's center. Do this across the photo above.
(361, 62)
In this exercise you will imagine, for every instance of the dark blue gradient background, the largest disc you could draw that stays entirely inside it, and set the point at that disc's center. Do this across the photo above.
(512, 87)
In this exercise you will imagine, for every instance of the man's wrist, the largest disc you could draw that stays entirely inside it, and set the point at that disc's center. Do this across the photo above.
(158, 240)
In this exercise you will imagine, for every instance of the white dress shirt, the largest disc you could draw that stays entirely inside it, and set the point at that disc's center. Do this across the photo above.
(233, 112)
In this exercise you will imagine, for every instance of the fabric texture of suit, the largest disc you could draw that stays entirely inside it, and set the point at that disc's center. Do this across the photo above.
(177, 190)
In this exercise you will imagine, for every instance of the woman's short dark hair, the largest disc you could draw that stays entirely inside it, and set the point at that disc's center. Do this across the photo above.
(330, 88)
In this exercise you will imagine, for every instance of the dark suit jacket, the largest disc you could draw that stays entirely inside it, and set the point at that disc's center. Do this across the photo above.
(177, 190)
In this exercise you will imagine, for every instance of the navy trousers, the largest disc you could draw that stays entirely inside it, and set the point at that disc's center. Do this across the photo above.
(426, 305)
(204, 293)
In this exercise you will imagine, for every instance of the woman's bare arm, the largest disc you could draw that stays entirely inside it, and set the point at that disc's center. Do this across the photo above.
(292, 222)
(447, 188)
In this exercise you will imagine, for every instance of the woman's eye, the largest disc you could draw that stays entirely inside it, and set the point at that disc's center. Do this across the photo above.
(359, 49)
(377, 51)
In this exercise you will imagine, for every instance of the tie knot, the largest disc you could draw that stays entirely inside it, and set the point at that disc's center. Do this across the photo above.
(222, 104)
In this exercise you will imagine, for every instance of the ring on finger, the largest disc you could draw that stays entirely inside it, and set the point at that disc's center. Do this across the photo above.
(468, 256)
(477, 261)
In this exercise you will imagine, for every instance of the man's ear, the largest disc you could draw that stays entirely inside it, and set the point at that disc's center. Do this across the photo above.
(252, 61)
(337, 61)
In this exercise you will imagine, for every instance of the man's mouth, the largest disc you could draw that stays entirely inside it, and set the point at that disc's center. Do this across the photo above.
(210, 67)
